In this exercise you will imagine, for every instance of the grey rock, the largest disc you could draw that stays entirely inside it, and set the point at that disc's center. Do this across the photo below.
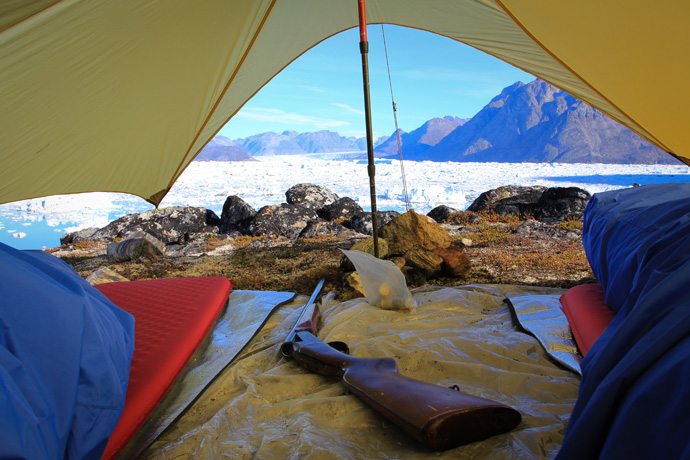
(342, 208)
(282, 220)
(509, 199)
(310, 196)
(560, 203)
(236, 215)
(78, 236)
(547, 205)
(440, 213)
(169, 225)
(314, 229)
(140, 245)
(363, 223)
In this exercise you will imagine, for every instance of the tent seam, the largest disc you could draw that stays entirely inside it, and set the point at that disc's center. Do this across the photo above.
(33, 15)
(648, 136)
(225, 90)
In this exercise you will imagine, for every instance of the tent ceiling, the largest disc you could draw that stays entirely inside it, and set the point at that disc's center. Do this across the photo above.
(120, 96)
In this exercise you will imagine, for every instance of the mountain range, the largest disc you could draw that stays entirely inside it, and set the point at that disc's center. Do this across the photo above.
(534, 122)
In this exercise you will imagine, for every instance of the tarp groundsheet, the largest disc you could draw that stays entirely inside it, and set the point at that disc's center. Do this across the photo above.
(267, 406)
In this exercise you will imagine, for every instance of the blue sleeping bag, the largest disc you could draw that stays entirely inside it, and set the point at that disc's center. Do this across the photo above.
(634, 400)
(65, 353)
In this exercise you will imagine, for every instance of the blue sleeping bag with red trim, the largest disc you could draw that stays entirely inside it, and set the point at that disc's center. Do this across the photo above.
(634, 400)
(65, 354)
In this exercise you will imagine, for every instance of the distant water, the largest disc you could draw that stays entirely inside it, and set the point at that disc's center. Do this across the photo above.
(31, 234)
(624, 180)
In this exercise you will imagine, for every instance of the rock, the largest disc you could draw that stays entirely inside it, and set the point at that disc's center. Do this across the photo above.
(509, 199)
(310, 196)
(342, 208)
(560, 203)
(169, 225)
(547, 205)
(314, 229)
(139, 246)
(574, 234)
(236, 215)
(441, 213)
(454, 230)
(425, 261)
(409, 230)
(455, 262)
(538, 229)
(211, 244)
(368, 247)
(466, 242)
(398, 261)
(78, 236)
(104, 275)
(282, 220)
(530, 227)
(362, 222)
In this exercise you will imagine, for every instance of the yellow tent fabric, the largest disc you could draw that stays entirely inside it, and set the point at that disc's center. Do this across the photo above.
(120, 96)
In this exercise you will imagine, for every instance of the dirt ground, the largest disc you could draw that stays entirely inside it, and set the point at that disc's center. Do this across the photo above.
(296, 266)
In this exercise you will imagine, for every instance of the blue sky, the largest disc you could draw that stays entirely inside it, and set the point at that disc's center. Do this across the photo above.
(432, 76)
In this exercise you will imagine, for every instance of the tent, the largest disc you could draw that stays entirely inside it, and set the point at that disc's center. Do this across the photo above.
(121, 96)
(150, 83)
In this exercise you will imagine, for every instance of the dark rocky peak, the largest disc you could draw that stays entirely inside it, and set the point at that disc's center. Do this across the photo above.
(431, 132)
(508, 91)
(220, 140)
(220, 152)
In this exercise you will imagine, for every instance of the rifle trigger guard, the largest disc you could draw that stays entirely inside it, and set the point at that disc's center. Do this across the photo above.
(340, 346)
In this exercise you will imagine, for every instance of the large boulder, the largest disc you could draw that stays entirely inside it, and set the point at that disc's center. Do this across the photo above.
(509, 199)
(411, 230)
(282, 220)
(236, 215)
(78, 236)
(363, 222)
(368, 247)
(455, 262)
(310, 196)
(169, 225)
(561, 203)
(138, 245)
(342, 208)
(547, 205)
(424, 260)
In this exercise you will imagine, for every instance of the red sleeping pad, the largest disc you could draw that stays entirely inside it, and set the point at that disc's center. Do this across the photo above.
(172, 318)
(587, 313)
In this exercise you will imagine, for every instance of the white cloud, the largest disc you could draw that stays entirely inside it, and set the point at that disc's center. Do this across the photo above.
(348, 108)
(280, 116)
(316, 89)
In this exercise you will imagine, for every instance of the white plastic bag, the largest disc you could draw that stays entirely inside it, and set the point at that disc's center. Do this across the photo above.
(383, 282)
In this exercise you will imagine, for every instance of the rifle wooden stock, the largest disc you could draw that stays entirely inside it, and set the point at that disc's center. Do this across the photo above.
(438, 417)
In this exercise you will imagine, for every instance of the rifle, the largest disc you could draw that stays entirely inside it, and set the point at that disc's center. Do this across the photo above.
(438, 417)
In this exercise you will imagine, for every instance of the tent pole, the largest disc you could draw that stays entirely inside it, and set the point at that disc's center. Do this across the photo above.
(364, 50)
